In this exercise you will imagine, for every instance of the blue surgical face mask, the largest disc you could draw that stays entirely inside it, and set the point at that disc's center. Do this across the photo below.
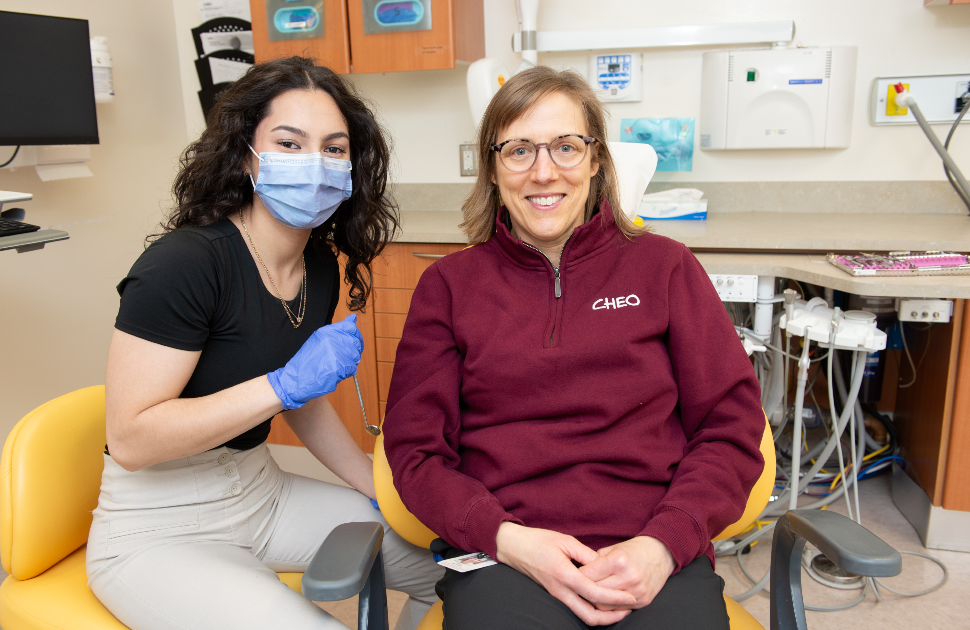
(301, 190)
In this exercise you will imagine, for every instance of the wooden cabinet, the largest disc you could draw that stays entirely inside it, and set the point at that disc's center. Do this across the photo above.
(457, 33)
(396, 275)
(375, 35)
(330, 48)
(394, 280)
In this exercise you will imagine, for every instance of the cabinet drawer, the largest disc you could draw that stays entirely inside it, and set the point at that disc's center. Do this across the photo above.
(389, 324)
(392, 300)
(405, 262)
(386, 349)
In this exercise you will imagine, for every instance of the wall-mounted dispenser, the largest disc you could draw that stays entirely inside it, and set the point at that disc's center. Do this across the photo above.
(778, 98)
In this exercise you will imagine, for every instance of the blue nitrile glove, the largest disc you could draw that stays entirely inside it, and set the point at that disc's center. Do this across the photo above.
(330, 355)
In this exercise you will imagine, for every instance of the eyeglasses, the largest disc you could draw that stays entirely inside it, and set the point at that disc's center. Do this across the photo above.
(566, 151)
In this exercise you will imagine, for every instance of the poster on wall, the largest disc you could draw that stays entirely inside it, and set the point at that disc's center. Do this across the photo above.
(671, 138)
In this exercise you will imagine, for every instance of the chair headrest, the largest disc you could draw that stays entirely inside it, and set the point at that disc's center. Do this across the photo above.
(635, 165)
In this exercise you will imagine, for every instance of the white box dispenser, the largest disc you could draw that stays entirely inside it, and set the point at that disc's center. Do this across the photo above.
(778, 98)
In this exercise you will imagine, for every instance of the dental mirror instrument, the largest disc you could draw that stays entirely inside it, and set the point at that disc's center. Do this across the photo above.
(370, 428)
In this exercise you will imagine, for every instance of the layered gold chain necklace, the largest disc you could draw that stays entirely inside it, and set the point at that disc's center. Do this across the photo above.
(295, 318)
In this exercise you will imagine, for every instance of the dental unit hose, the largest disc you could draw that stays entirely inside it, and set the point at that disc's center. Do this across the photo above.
(796, 445)
(905, 99)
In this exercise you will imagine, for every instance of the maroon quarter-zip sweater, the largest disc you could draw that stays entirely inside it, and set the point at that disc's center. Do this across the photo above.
(623, 406)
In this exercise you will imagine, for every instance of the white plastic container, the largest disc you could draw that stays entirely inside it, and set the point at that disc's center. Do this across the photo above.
(102, 67)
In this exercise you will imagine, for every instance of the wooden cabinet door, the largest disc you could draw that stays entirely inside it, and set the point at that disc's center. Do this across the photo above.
(395, 276)
(332, 49)
(457, 33)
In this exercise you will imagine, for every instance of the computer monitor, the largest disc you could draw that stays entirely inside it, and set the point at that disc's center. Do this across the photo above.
(46, 81)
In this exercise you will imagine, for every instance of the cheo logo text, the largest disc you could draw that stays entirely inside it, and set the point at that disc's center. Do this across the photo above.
(618, 302)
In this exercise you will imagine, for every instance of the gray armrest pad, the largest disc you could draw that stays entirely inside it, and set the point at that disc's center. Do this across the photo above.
(846, 543)
(341, 566)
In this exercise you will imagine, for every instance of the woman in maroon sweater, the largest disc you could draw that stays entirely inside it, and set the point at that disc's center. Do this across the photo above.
(569, 395)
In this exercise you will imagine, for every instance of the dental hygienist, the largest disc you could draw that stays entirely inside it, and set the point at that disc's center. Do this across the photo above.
(225, 321)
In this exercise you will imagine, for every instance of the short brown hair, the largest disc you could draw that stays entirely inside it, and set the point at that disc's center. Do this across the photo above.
(513, 100)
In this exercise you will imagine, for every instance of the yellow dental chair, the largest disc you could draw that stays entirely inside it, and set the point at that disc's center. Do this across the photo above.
(51, 477)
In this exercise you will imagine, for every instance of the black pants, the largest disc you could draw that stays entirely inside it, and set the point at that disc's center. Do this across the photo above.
(501, 598)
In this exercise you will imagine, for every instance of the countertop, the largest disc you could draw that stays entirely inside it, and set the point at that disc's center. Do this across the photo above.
(777, 232)
(814, 269)
(763, 243)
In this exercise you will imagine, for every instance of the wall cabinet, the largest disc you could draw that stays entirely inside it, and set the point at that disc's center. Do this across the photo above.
(371, 35)
(396, 275)
(320, 31)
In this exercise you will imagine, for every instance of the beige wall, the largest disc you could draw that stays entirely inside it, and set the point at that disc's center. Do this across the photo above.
(57, 305)
(895, 37)
(428, 115)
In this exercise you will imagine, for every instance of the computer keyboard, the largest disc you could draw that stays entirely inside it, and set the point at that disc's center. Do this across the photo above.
(9, 227)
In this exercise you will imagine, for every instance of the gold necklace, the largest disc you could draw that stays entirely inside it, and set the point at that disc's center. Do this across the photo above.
(295, 319)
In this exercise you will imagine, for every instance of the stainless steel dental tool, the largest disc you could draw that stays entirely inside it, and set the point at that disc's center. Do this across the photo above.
(370, 428)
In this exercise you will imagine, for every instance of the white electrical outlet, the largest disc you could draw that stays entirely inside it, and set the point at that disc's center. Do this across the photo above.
(466, 159)
(735, 288)
(936, 95)
(934, 311)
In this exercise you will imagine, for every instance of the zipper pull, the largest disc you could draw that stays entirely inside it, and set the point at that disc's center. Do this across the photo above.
(558, 287)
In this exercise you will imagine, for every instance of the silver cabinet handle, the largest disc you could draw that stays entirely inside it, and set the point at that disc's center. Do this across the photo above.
(427, 255)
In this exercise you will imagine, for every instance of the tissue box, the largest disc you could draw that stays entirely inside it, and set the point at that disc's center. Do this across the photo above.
(680, 210)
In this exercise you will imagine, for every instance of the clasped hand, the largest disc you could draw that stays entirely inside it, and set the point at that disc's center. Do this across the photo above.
(330, 355)
(610, 584)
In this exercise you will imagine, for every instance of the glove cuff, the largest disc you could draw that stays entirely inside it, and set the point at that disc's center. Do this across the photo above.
(274, 382)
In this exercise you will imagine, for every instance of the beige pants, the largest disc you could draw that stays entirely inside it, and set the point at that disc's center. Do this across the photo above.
(195, 543)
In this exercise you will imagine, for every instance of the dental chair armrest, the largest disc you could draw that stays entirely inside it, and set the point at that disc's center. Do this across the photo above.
(349, 562)
(342, 565)
(849, 545)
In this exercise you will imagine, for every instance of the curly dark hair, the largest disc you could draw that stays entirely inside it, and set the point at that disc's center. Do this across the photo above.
(211, 183)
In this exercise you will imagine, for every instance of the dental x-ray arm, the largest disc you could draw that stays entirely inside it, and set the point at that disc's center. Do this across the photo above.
(487, 75)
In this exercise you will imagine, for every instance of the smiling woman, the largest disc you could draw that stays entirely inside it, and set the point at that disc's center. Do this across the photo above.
(569, 395)
(549, 106)
(226, 320)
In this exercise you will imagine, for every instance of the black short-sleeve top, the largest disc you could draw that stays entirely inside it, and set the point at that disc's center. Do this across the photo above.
(198, 288)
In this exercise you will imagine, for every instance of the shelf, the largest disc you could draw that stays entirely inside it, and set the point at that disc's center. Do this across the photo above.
(32, 240)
